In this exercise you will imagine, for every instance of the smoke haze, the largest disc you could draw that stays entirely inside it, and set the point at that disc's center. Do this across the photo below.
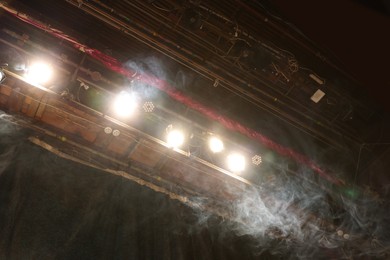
(303, 217)
(288, 216)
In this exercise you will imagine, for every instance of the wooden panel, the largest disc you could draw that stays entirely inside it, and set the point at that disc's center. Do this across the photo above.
(120, 144)
(32, 107)
(53, 118)
(203, 182)
(148, 153)
(41, 107)
(5, 92)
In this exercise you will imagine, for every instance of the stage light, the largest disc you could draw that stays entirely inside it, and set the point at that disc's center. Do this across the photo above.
(215, 144)
(125, 104)
(257, 160)
(175, 137)
(38, 73)
(236, 162)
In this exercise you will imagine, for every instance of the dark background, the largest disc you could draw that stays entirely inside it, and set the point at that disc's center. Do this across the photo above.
(356, 32)
(51, 208)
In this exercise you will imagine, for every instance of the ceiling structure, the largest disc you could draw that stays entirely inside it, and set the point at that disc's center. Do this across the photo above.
(234, 70)
(355, 36)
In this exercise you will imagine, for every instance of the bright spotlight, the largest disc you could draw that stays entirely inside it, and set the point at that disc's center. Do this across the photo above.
(38, 73)
(215, 144)
(125, 104)
(175, 137)
(236, 162)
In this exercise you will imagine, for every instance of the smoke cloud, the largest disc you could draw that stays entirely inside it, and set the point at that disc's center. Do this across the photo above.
(145, 65)
(291, 217)
(302, 217)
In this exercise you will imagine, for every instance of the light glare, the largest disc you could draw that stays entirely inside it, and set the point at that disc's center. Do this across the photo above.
(175, 138)
(125, 104)
(215, 144)
(236, 162)
(39, 73)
